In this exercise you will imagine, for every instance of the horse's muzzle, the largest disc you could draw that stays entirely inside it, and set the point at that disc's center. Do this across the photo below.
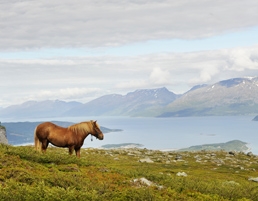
(101, 137)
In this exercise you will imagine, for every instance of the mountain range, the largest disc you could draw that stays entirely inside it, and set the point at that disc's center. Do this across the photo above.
(38, 109)
(237, 96)
(138, 103)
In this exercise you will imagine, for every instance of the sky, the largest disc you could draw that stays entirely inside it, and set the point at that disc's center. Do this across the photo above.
(78, 50)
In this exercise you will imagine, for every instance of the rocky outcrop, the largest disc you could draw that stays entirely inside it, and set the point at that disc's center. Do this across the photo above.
(3, 138)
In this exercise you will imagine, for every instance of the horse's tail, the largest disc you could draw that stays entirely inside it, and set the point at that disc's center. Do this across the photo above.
(37, 143)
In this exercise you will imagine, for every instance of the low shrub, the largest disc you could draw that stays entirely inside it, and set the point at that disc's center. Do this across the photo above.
(109, 175)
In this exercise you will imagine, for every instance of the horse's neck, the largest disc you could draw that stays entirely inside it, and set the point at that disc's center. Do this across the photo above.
(82, 132)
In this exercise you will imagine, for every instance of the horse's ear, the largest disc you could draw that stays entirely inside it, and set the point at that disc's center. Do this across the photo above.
(94, 122)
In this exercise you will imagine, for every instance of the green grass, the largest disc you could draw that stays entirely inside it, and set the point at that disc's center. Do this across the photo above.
(108, 175)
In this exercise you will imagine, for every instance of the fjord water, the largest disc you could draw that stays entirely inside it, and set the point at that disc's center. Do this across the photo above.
(173, 133)
(180, 132)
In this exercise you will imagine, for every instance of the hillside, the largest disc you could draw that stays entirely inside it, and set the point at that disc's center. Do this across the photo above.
(126, 174)
(238, 96)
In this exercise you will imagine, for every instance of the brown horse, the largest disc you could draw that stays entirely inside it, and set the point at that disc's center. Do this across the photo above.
(71, 137)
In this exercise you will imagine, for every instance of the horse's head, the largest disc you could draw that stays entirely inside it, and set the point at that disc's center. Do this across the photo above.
(96, 131)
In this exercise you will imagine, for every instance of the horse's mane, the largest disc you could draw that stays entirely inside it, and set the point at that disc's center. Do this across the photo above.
(81, 128)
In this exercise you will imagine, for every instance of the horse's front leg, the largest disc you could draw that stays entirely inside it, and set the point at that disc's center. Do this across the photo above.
(78, 153)
(71, 148)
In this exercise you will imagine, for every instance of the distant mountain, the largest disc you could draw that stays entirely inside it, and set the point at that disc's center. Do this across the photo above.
(255, 118)
(145, 102)
(37, 109)
(238, 96)
(197, 87)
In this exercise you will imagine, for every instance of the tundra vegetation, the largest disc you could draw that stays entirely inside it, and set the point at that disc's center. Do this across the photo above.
(126, 174)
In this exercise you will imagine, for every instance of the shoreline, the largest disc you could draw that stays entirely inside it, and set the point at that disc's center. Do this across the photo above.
(140, 146)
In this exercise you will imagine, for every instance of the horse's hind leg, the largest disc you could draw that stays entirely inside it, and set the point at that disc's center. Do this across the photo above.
(44, 146)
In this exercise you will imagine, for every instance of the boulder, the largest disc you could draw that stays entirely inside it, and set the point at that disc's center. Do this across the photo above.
(255, 179)
(145, 182)
(146, 160)
(3, 138)
(181, 174)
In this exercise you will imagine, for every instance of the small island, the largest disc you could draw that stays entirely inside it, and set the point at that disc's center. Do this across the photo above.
(122, 146)
(234, 145)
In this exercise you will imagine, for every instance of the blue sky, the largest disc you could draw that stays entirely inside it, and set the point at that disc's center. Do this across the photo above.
(80, 51)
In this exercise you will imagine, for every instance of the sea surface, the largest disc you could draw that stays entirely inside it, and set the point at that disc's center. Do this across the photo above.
(170, 133)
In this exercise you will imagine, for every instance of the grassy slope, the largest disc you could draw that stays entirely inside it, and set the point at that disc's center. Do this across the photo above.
(108, 174)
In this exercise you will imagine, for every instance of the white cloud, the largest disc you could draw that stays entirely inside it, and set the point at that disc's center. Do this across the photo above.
(85, 23)
(66, 94)
(207, 74)
(34, 29)
(159, 76)
(89, 77)
(241, 59)
(132, 84)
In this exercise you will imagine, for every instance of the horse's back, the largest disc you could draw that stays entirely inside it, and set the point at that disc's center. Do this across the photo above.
(43, 129)
(45, 125)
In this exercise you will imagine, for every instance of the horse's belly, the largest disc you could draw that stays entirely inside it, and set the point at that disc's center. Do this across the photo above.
(61, 141)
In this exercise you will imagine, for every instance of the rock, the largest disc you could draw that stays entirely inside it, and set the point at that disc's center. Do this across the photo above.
(253, 179)
(146, 160)
(219, 161)
(178, 157)
(143, 181)
(146, 182)
(249, 154)
(181, 174)
(179, 160)
(3, 138)
(198, 158)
